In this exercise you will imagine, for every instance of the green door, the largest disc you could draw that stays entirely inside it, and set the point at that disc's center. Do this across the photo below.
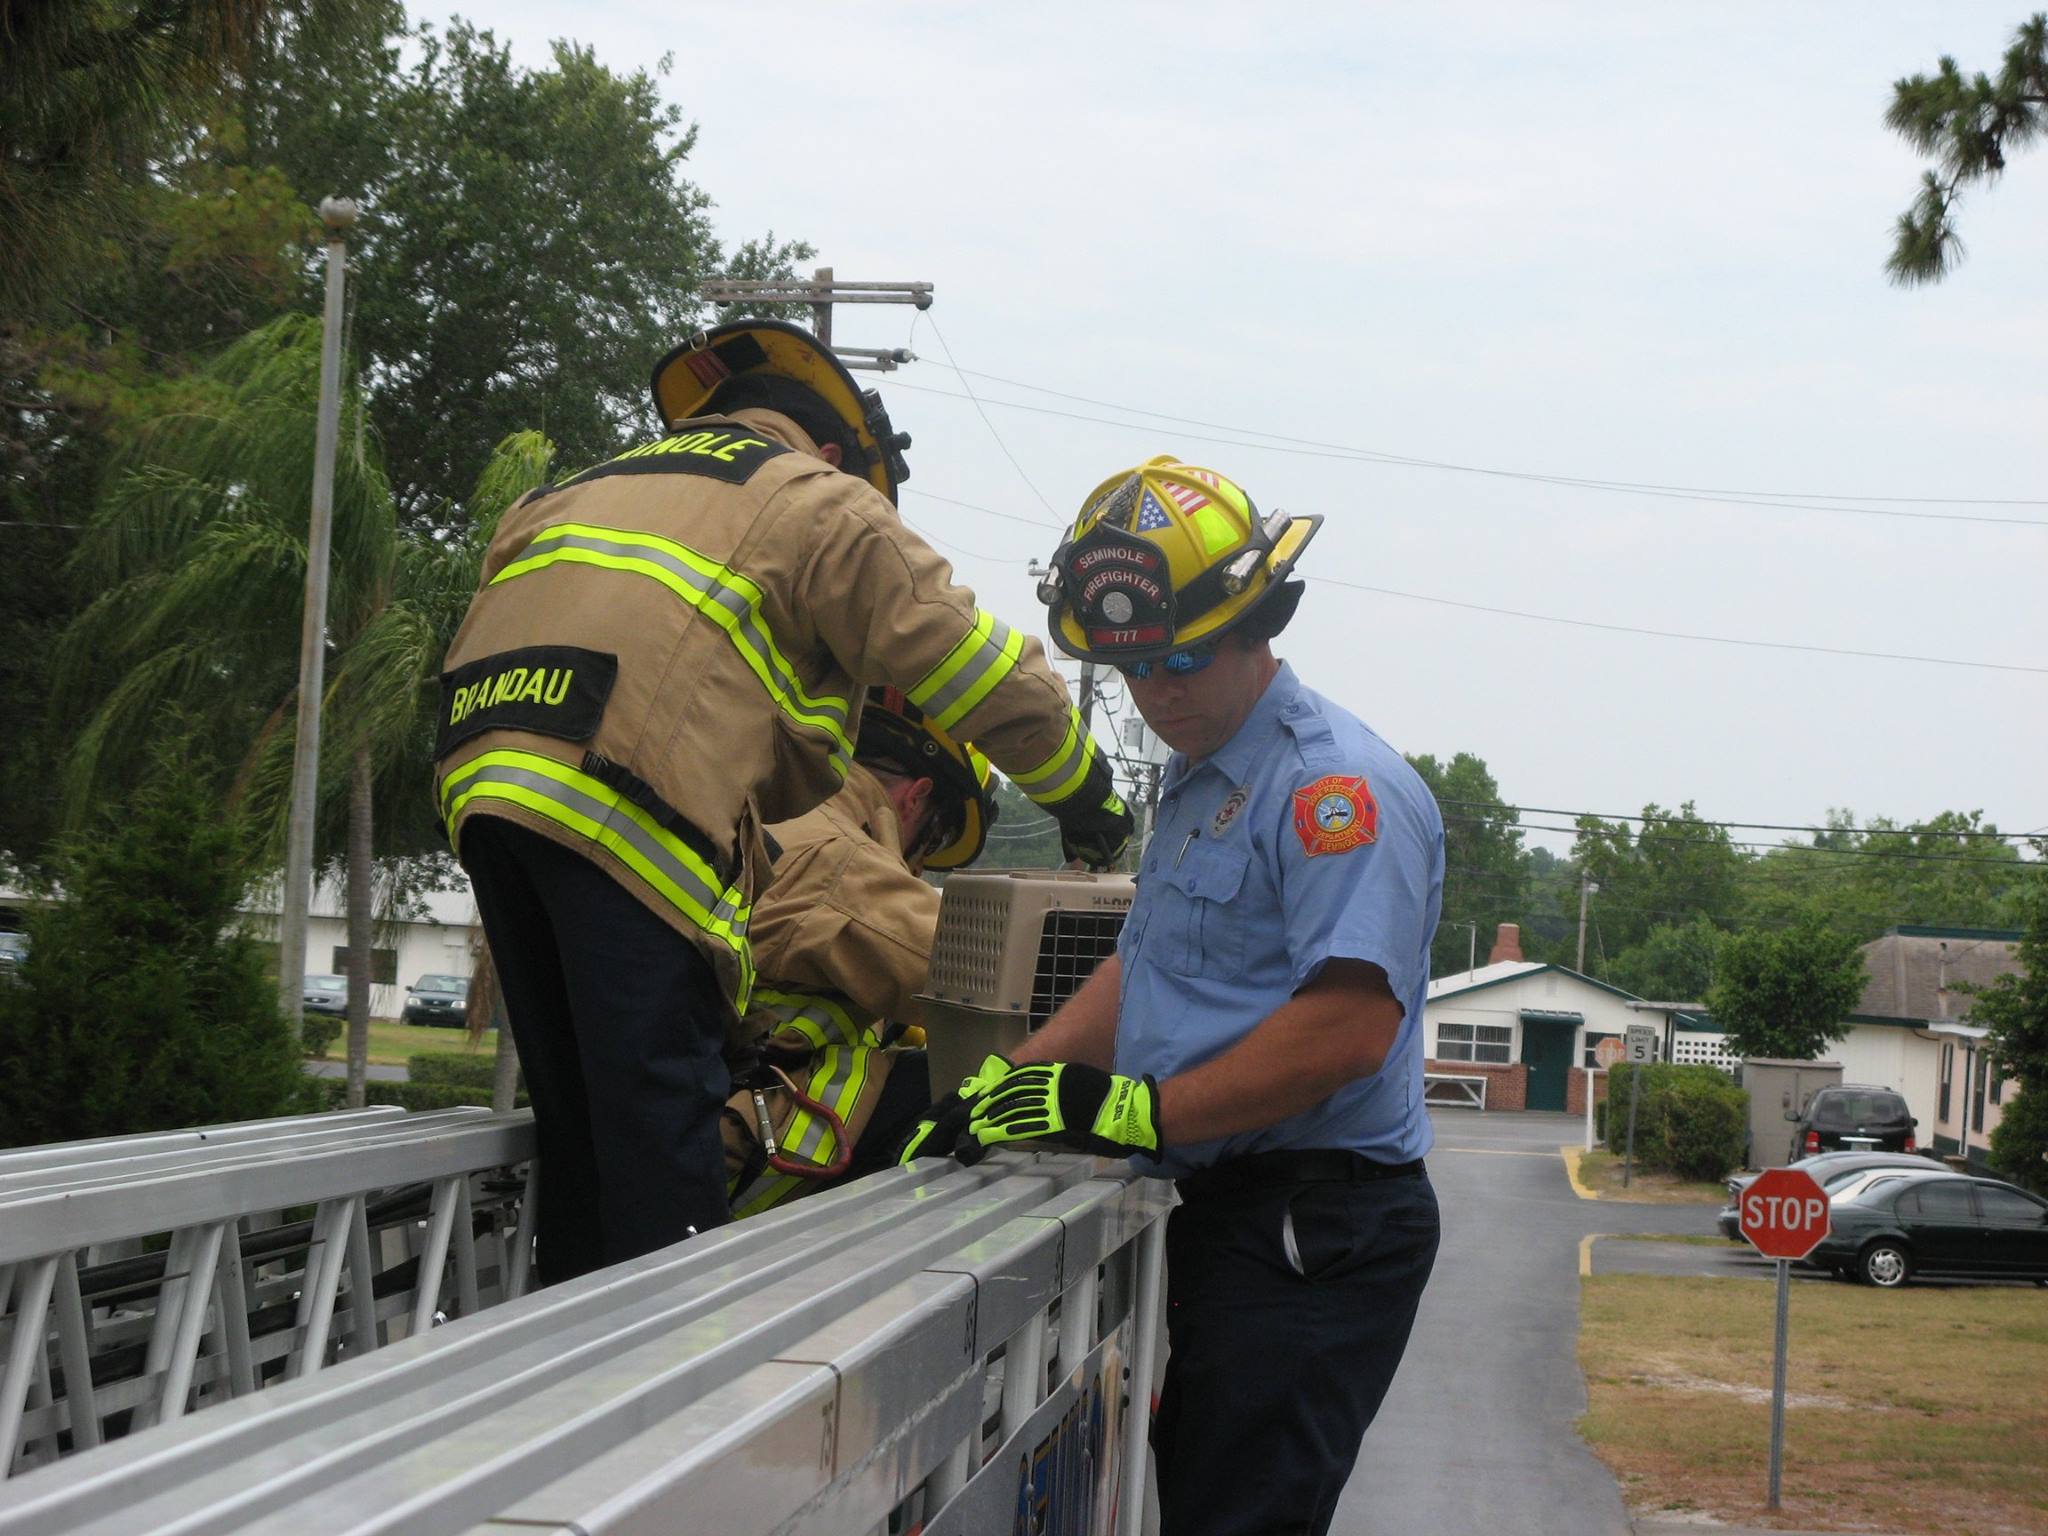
(1547, 1051)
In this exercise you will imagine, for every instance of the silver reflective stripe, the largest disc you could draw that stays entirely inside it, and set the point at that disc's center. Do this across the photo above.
(1062, 774)
(986, 655)
(829, 1086)
(739, 604)
(829, 1025)
(720, 904)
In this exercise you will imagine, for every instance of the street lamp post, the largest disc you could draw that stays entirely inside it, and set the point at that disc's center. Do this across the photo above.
(339, 215)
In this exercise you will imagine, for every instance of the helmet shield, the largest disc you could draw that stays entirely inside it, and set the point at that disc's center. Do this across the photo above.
(1120, 591)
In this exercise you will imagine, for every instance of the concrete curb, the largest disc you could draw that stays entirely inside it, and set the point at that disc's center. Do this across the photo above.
(1573, 1156)
(1649, 1526)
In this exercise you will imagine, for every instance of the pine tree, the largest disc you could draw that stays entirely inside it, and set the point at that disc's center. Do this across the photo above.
(140, 1005)
(1969, 124)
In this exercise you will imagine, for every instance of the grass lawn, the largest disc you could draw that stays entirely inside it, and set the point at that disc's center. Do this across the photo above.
(1919, 1410)
(391, 1042)
(1601, 1173)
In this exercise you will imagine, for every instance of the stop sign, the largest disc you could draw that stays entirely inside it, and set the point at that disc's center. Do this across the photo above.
(1610, 1050)
(1784, 1214)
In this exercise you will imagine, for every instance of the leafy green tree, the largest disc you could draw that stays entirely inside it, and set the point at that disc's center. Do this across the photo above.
(198, 552)
(1669, 867)
(2015, 1010)
(1484, 881)
(529, 243)
(140, 1006)
(91, 90)
(1550, 925)
(1969, 124)
(1023, 837)
(1786, 992)
(1953, 869)
(1673, 962)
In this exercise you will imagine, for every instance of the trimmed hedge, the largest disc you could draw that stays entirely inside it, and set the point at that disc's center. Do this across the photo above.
(453, 1069)
(319, 1031)
(414, 1096)
(1693, 1121)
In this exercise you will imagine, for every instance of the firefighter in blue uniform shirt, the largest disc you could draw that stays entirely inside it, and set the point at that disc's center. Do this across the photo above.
(1257, 1037)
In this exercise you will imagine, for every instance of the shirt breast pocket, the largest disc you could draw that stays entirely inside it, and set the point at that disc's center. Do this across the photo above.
(1205, 926)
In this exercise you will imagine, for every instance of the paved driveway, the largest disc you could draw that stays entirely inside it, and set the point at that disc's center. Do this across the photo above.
(1477, 1433)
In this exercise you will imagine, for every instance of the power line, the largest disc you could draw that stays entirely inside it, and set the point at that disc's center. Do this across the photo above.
(1675, 634)
(1750, 826)
(1315, 448)
(1832, 853)
(946, 347)
(1551, 618)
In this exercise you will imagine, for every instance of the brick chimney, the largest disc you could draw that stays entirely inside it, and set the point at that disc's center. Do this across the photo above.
(1507, 944)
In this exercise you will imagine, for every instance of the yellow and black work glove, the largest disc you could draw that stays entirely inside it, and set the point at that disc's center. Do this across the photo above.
(940, 1130)
(1068, 1104)
(1097, 830)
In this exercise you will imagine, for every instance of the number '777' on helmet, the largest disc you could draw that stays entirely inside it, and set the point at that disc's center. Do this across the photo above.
(1170, 555)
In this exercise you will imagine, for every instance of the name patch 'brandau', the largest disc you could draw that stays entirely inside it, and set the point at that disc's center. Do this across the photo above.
(555, 690)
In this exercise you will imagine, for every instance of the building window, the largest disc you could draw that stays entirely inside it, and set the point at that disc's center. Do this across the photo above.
(1474, 1042)
(1983, 1060)
(1592, 1044)
(383, 965)
(1948, 1074)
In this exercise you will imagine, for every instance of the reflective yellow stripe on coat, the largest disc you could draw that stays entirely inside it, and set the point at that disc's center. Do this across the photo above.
(986, 655)
(1061, 774)
(715, 590)
(594, 810)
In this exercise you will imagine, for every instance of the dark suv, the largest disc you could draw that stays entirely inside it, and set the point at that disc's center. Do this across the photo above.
(1853, 1117)
(441, 1000)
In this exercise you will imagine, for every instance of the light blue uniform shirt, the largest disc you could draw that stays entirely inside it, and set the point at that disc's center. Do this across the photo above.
(1234, 914)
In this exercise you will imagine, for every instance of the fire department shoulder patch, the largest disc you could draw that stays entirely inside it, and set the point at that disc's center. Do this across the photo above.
(1335, 814)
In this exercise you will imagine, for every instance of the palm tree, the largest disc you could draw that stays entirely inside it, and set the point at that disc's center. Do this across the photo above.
(198, 551)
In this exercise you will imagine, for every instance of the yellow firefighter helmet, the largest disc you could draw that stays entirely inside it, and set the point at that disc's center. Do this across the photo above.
(783, 367)
(896, 733)
(1166, 556)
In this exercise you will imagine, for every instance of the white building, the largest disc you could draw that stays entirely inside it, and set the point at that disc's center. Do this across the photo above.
(1530, 1030)
(442, 940)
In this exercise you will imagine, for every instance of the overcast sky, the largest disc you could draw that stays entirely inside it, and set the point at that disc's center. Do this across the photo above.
(1628, 243)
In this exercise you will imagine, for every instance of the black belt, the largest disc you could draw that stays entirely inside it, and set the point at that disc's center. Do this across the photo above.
(1262, 1170)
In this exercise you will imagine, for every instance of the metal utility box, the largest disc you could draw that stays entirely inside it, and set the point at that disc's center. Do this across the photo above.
(1778, 1091)
(1011, 946)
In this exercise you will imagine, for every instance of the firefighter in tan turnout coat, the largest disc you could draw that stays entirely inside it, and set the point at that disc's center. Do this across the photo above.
(842, 941)
(667, 652)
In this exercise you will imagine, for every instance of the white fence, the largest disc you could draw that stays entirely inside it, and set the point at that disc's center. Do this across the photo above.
(937, 1347)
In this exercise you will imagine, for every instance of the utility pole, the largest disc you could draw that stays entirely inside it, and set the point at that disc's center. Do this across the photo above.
(821, 293)
(1086, 706)
(1587, 887)
(1471, 943)
(339, 215)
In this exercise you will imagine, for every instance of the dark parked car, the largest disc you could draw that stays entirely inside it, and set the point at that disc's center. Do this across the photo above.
(1853, 1117)
(438, 1000)
(326, 994)
(1833, 1171)
(1937, 1224)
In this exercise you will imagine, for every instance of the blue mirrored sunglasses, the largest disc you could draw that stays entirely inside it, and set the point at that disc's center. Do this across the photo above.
(1179, 663)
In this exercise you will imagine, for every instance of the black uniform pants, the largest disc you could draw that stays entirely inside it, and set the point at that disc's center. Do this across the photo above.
(1289, 1303)
(620, 1026)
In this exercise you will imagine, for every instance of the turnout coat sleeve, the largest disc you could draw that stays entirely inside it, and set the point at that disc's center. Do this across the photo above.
(886, 605)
